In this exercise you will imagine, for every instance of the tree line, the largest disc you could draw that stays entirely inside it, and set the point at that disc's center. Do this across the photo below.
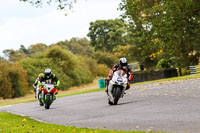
(74, 62)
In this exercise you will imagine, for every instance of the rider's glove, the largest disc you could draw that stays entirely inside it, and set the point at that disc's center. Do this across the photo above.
(57, 87)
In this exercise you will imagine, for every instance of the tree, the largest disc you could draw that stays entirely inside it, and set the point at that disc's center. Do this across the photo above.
(79, 46)
(171, 26)
(138, 13)
(13, 80)
(107, 34)
(14, 55)
(178, 27)
(23, 48)
(107, 58)
(61, 4)
(37, 48)
(67, 66)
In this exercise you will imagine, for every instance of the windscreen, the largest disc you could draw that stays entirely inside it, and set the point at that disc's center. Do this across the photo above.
(120, 73)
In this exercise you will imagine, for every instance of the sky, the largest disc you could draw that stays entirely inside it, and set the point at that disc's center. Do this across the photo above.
(24, 24)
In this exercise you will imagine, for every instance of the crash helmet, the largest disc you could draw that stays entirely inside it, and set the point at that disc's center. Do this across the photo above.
(47, 72)
(123, 62)
(40, 75)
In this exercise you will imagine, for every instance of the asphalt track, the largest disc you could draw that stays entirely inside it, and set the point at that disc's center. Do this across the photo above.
(167, 106)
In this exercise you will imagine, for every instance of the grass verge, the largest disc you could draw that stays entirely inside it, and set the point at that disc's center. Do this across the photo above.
(17, 124)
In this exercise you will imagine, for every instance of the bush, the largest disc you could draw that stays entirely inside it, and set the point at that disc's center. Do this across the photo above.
(102, 70)
(5, 84)
(13, 80)
(18, 79)
(185, 71)
(165, 63)
(105, 58)
(90, 63)
(65, 65)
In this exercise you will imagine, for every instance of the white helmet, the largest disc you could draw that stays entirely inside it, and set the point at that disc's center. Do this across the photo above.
(47, 72)
(123, 62)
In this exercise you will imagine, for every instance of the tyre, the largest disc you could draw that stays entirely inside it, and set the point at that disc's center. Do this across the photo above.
(48, 102)
(116, 94)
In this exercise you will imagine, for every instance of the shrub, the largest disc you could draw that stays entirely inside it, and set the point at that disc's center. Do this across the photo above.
(13, 80)
(165, 63)
(90, 63)
(5, 84)
(67, 67)
(102, 70)
(105, 58)
(18, 79)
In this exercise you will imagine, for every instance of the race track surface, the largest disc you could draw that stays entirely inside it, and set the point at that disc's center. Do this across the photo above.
(167, 106)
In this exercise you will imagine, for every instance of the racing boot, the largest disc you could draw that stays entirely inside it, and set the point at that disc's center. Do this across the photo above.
(107, 83)
(54, 97)
(127, 87)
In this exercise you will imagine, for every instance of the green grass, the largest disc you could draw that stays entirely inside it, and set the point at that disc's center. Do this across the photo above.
(17, 124)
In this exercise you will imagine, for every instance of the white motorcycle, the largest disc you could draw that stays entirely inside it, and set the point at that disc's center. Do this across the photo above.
(116, 87)
(39, 95)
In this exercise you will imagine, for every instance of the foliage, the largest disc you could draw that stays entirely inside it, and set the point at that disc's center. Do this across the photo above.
(165, 63)
(23, 49)
(90, 63)
(13, 80)
(179, 22)
(37, 48)
(64, 64)
(123, 51)
(102, 70)
(77, 46)
(14, 55)
(105, 58)
(107, 34)
(185, 71)
(171, 26)
(61, 4)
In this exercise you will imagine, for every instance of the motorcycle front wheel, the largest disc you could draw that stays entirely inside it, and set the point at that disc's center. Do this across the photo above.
(117, 92)
(48, 102)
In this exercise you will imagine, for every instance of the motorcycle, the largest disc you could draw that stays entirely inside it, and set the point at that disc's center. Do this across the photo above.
(116, 87)
(48, 95)
(39, 95)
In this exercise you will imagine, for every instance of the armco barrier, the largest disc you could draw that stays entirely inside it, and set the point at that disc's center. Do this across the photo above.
(142, 76)
(194, 69)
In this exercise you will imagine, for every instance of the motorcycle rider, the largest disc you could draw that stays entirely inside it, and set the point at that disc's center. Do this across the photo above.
(49, 77)
(36, 83)
(122, 65)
